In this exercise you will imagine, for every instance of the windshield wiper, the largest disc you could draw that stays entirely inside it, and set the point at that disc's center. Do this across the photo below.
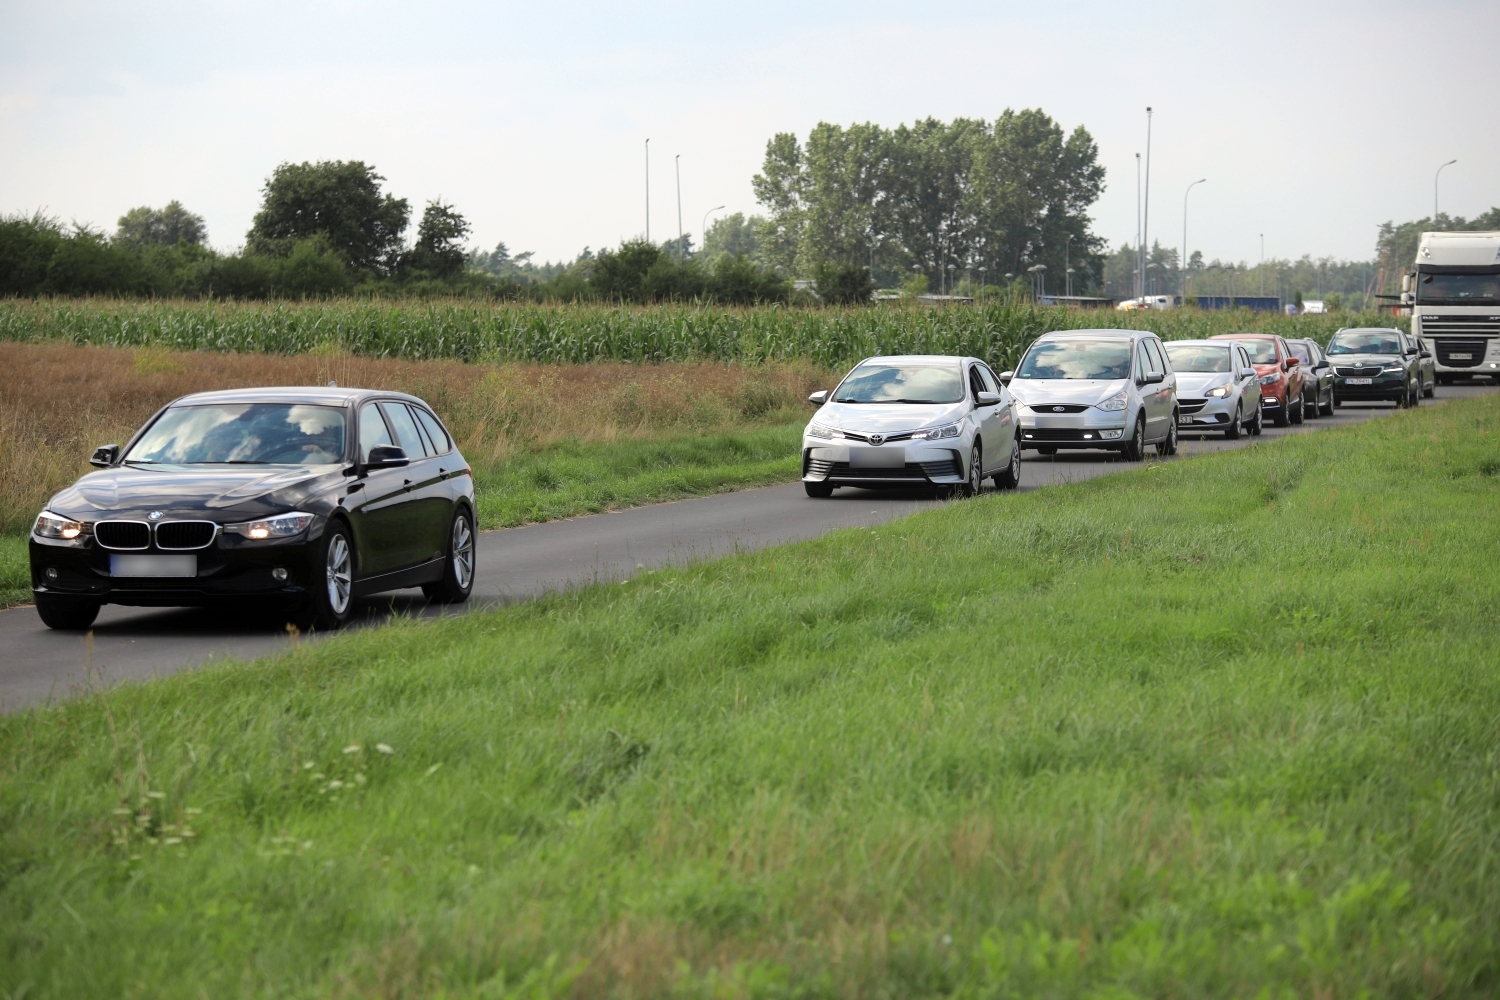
(846, 399)
(238, 461)
(914, 401)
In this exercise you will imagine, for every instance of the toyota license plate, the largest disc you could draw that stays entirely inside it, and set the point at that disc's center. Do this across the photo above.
(877, 458)
(153, 566)
(1358, 381)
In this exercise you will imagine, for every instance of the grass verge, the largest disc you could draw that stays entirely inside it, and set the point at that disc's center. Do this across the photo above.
(1217, 727)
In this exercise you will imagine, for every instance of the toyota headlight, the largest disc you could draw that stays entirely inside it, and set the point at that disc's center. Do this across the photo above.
(825, 433)
(1118, 401)
(281, 526)
(49, 525)
(933, 433)
(1219, 392)
(1270, 379)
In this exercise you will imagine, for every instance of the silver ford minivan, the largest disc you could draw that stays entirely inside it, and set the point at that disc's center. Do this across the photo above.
(1111, 389)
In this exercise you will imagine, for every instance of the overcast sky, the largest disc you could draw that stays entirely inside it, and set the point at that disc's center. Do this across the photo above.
(1313, 122)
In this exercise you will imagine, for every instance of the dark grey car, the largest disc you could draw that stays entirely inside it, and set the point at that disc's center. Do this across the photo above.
(1317, 378)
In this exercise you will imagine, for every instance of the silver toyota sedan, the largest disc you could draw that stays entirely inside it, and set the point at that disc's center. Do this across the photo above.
(913, 421)
(1112, 389)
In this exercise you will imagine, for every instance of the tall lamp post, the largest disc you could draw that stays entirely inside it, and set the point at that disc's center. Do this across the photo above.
(1146, 211)
(677, 165)
(648, 190)
(1435, 189)
(1185, 258)
(704, 231)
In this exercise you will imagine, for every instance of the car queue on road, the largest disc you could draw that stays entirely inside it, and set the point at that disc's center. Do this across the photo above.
(948, 422)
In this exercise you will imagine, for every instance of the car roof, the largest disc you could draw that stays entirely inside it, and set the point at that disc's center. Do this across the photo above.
(1102, 334)
(1371, 329)
(1198, 342)
(309, 395)
(918, 359)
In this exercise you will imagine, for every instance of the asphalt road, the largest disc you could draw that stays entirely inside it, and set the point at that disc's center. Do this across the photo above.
(521, 563)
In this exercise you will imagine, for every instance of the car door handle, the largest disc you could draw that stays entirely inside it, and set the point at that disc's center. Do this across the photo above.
(442, 473)
(406, 485)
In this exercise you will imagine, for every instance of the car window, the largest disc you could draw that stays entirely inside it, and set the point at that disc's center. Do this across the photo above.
(976, 384)
(435, 432)
(1157, 365)
(372, 430)
(1300, 352)
(990, 383)
(405, 426)
(1142, 362)
(1244, 358)
(1262, 352)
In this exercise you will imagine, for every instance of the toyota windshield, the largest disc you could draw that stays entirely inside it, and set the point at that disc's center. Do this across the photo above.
(901, 384)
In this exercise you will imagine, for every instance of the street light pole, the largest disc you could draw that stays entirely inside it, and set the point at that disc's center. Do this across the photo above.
(704, 231)
(1146, 212)
(1185, 257)
(1435, 189)
(1139, 259)
(648, 190)
(677, 166)
(1262, 268)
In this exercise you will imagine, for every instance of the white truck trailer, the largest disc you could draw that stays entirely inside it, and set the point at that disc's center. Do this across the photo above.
(1454, 295)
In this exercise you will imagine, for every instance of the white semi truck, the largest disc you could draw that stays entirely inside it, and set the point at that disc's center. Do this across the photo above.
(1454, 295)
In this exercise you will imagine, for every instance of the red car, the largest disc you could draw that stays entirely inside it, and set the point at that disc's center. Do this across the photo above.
(1280, 375)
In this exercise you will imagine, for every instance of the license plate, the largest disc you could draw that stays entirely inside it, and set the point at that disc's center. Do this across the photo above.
(153, 566)
(1358, 381)
(877, 458)
(1462, 357)
(1183, 420)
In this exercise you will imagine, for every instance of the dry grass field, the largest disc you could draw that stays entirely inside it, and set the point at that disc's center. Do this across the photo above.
(59, 401)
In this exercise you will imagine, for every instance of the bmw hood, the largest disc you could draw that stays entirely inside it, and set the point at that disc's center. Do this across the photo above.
(1040, 392)
(1197, 383)
(188, 488)
(889, 418)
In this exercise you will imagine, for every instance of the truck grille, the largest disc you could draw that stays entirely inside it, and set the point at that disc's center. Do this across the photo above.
(1472, 326)
(124, 535)
(1460, 353)
(180, 535)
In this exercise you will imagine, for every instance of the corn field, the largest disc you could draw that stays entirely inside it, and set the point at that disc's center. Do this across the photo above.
(572, 334)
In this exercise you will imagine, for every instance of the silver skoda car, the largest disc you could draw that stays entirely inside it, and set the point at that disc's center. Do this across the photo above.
(913, 420)
(1112, 389)
(1217, 387)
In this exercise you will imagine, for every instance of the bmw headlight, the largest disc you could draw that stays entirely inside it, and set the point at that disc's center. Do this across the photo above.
(49, 525)
(933, 433)
(1270, 379)
(1118, 401)
(1219, 392)
(281, 526)
(826, 433)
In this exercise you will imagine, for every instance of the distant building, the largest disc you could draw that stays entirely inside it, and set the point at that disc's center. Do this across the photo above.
(1255, 303)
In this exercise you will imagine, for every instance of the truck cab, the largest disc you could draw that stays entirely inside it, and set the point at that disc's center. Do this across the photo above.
(1454, 295)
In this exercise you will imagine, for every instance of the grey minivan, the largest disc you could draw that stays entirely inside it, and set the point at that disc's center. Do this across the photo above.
(1111, 389)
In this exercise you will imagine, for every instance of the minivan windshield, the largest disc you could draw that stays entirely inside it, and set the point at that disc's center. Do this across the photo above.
(884, 383)
(1198, 358)
(1096, 359)
(243, 434)
(1365, 342)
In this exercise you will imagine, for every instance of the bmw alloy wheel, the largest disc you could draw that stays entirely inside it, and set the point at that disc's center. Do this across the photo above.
(340, 573)
(463, 552)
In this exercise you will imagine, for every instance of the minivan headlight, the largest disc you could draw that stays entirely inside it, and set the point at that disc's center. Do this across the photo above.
(281, 526)
(1118, 401)
(1219, 392)
(933, 433)
(825, 433)
(49, 525)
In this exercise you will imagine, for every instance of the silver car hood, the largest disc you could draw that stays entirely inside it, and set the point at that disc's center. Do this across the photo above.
(1197, 383)
(1036, 392)
(889, 418)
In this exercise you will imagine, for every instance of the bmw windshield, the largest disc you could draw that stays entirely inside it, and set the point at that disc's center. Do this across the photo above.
(243, 434)
(1085, 359)
(879, 383)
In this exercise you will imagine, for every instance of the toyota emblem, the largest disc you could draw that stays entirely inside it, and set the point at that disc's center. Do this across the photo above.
(155, 515)
(877, 439)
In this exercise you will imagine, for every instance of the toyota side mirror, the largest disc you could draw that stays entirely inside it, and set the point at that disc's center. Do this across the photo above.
(988, 399)
(1247, 373)
(1005, 377)
(818, 398)
(105, 455)
(1154, 377)
(386, 456)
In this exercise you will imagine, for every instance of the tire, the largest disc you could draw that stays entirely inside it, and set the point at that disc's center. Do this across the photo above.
(1047, 450)
(1283, 417)
(330, 599)
(67, 614)
(1009, 477)
(1167, 446)
(972, 485)
(1310, 410)
(1327, 411)
(1431, 389)
(1416, 396)
(1337, 402)
(819, 490)
(1445, 380)
(1260, 423)
(1232, 432)
(460, 567)
(1135, 451)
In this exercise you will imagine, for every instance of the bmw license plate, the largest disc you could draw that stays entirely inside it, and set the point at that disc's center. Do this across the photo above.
(153, 566)
(1358, 381)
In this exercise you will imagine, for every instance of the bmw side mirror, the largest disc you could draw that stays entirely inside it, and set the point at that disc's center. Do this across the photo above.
(818, 398)
(1152, 378)
(1005, 377)
(988, 399)
(387, 456)
(105, 455)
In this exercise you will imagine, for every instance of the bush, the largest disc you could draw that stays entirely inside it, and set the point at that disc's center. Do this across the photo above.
(844, 285)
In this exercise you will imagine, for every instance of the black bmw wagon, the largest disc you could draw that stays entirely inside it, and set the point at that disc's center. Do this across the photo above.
(301, 497)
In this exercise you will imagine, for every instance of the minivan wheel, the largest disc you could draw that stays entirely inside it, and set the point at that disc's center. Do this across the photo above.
(820, 490)
(971, 486)
(1135, 451)
(331, 593)
(1232, 432)
(1009, 477)
(459, 569)
(1168, 445)
(68, 614)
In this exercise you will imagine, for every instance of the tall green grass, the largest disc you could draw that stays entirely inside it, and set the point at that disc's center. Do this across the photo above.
(552, 334)
(1223, 727)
